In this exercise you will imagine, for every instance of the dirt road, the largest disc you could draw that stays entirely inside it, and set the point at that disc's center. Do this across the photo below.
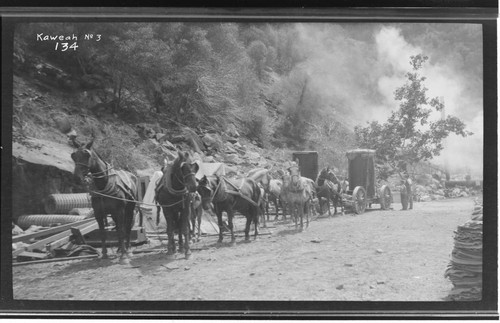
(377, 256)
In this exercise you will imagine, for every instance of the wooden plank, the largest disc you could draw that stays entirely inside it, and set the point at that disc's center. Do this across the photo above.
(39, 255)
(54, 230)
(41, 244)
(65, 239)
(77, 234)
(53, 260)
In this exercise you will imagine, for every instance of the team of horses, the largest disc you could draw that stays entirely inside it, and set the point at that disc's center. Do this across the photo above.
(183, 197)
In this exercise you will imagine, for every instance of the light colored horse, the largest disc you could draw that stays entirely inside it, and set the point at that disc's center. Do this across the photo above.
(298, 193)
(274, 195)
(262, 177)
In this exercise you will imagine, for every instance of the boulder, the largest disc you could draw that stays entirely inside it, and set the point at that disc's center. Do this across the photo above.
(252, 155)
(167, 144)
(193, 139)
(209, 159)
(231, 131)
(232, 159)
(159, 136)
(212, 141)
(228, 148)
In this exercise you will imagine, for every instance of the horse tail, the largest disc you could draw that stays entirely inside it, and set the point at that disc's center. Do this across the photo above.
(256, 192)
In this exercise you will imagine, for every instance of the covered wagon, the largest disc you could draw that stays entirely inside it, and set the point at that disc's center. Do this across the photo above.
(363, 191)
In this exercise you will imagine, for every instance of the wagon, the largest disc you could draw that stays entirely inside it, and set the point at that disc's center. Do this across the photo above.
(308, 163)
(362, 191)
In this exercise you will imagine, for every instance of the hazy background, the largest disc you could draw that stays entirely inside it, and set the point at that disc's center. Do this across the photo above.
(361, 65)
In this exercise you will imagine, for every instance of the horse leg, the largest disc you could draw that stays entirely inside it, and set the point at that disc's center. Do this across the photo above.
(256, 220)
(99, 217)
(275, 202)
(268, 201)
(129, 222)
(328, 205)
(179, 225)
(199, 213)
(169, 218)
(247, 225)
(192, 222)
(261, 212)
(119, 218)
(230, 215)
(218, 213)
(295, 214)
(186, 215)
(301, 215)
(309, 205)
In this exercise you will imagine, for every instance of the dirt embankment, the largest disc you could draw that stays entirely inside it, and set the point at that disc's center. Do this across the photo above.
(377, 256)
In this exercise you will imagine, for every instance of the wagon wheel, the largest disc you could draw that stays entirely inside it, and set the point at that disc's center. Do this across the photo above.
(359, 198)
(385, 197)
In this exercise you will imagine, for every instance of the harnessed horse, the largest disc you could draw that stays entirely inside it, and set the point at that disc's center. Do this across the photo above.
(114, 193)
(262, 177)
(243, 196)
(175, 193)
(329, 187)
(272, 189)
(298, 193)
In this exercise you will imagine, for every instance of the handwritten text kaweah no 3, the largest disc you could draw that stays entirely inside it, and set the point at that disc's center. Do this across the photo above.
(66, 42)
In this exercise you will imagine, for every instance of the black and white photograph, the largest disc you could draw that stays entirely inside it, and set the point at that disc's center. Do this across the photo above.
(262, 161)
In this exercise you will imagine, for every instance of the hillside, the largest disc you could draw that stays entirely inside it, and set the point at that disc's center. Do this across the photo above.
(246, 95)
(45, 116)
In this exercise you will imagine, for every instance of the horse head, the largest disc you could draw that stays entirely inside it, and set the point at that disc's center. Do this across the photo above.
(332, 177)
(322, 176)
(262, 176)
(84, 161)
(205, 190)
(295, 175)
(184, 169)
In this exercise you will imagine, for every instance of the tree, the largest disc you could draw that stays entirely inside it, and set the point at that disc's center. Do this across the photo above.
(409, 136)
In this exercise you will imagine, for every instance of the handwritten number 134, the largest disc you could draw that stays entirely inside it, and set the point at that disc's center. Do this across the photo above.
(65, 46)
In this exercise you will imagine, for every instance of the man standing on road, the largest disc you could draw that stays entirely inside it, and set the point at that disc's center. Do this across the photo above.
(404, 195)
(408, 184)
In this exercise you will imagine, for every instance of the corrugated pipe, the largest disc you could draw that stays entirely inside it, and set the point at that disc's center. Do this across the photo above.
(47, 220)
(63, 203)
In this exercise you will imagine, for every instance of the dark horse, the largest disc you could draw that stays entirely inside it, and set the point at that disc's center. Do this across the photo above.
(114, 192)
(329, 187)
(242, 195)
(175, 193)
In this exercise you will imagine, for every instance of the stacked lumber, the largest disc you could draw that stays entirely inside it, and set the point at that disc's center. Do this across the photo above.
(41, 236)
(466, 264)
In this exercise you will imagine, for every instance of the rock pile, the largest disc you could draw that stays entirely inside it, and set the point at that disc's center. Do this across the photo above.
(466, 265)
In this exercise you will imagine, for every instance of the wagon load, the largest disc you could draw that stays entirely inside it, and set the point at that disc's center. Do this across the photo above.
(466, 264)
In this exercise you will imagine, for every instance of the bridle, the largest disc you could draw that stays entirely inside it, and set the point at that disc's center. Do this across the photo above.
(184, 176)
(213, 193)
(89, 164)
(292, 176)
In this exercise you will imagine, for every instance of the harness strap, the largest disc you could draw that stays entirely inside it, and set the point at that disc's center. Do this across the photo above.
(243, 197)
